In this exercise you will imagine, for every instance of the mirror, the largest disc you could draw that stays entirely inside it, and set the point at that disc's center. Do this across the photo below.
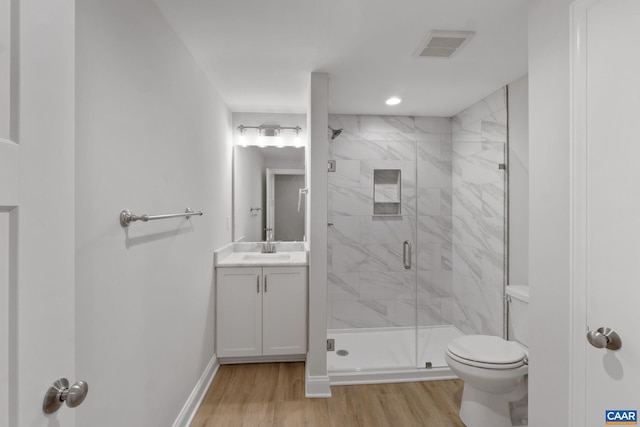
(266, 193)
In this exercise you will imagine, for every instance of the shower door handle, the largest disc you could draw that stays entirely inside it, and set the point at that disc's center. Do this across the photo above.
(406, 254)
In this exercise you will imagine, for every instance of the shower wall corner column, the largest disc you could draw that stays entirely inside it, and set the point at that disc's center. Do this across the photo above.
(316, 377)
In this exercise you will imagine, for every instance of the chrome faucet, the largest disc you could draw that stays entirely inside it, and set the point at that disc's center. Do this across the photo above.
(268, 246)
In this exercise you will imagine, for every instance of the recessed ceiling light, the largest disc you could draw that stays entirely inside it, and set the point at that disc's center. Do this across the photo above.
(394, 100)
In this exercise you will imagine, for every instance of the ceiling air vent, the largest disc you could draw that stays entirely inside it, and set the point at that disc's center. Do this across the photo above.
(443, 44)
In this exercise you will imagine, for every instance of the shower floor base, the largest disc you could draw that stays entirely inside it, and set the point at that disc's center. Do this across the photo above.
(387, 355)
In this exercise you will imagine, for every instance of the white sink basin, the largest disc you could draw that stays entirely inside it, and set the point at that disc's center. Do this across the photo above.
(266, 257)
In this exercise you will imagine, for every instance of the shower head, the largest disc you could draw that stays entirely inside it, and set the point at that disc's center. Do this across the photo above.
(335, 132)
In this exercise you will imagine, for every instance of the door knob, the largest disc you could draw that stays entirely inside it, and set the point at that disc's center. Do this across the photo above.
(76, 394)
(60, 392)
(604, 338)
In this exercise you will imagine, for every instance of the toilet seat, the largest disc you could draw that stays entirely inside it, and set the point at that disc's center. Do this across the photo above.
(485, 351)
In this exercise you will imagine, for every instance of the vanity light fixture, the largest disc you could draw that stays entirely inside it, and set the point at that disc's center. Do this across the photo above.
(394, 100)
(268, 135)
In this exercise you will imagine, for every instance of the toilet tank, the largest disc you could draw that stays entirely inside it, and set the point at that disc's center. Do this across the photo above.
(518, 297)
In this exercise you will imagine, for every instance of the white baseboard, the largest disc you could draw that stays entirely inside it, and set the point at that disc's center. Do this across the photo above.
(195, 398)
(262, 359)
(386, 377)
(316, 386)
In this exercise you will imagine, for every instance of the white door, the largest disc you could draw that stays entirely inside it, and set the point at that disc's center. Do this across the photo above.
(36, 207)
(293, 220)
(284, 305)
(9, 199)
(9, 152)
(606, 142)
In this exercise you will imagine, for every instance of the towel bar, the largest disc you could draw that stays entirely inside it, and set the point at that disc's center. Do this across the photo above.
(126, 217)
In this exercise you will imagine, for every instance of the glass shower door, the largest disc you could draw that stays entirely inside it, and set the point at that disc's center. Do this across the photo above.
(461, 229)
(371, 279)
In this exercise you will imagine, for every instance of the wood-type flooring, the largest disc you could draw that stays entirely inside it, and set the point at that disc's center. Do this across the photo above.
(272, 394)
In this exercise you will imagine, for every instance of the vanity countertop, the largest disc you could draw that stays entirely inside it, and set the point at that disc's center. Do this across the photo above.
(248, 254)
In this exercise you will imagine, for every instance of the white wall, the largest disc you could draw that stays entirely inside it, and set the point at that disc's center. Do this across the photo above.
(283, 158)
(549, 212)
(153, 136)
(519, 181)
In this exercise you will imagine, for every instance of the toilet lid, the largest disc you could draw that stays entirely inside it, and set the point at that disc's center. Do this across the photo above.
(486, 349)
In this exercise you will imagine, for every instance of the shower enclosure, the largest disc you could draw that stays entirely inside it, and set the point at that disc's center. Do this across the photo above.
(416, 239)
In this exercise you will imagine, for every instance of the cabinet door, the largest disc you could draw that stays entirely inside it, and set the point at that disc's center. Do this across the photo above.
(284, 304)
(239, 312)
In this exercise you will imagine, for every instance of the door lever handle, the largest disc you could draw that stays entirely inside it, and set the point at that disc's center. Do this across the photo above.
(604, 337)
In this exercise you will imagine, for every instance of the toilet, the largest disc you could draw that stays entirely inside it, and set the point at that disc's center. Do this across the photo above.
(494, 370)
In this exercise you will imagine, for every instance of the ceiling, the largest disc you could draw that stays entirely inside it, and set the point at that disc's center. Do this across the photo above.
(259, 54)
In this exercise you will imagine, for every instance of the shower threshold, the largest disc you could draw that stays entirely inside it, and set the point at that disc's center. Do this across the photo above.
(387, 355)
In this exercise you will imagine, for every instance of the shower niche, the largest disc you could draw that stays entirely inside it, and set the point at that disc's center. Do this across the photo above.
(387, 195)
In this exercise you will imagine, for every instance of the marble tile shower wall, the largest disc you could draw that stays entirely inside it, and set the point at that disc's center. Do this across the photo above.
(479, 135)
(368, 285)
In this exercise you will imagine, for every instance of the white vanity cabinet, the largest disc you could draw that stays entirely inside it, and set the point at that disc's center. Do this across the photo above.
(261, 311)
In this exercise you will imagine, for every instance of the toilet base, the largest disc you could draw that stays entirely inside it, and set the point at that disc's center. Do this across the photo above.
(481, 409)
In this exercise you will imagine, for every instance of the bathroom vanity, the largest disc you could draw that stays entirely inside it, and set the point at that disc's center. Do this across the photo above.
(261, 303)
